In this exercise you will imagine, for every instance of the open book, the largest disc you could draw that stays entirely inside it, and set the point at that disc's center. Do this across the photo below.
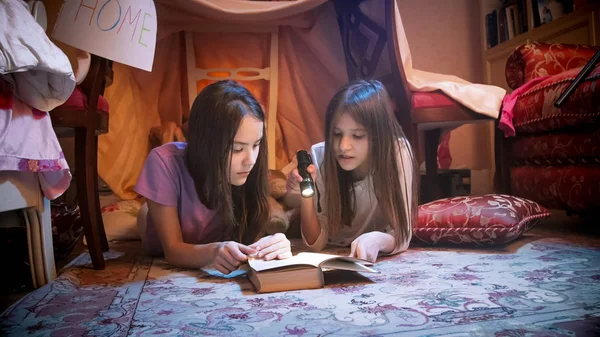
(302, 271)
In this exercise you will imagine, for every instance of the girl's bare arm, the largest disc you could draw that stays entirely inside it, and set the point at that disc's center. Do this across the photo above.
(185, 255)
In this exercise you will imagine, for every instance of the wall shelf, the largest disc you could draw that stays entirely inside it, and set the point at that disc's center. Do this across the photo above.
(580, 27)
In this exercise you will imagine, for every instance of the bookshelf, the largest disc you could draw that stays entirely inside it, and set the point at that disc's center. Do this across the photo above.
(581, 26)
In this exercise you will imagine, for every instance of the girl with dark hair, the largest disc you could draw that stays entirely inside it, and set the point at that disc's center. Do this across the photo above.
(208, 198)
(367, 176)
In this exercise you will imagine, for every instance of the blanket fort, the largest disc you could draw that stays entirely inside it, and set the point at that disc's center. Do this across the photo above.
(120, 30)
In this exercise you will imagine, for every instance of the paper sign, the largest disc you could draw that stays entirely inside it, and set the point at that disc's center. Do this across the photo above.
(120, 30)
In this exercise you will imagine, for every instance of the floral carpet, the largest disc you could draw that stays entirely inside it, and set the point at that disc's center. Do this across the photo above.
(541, 287)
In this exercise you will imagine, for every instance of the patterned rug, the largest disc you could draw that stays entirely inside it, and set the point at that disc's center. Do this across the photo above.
(535, 287)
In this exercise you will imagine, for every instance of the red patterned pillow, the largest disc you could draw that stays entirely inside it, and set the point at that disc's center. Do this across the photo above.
(483, 220)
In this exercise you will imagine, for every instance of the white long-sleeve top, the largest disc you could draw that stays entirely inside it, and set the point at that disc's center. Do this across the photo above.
(367, 215)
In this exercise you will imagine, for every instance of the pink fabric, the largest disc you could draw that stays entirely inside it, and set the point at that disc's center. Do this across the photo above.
(78, 101)
(434, 99)
(508, 105)
(166, 180)
(483, 220)
(28, 143)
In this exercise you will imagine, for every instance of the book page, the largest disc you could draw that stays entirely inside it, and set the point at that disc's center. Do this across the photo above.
(260, 265)
(342, 264)
(304, 258)
(318, 258)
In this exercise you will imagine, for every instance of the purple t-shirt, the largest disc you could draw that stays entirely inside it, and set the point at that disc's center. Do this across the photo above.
(166, 180)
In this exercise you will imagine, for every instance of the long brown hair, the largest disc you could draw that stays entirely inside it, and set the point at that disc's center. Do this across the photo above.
(215, 117)
(368, 103)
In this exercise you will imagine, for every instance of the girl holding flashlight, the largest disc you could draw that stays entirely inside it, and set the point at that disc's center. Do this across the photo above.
(366, 174)
(208, 198)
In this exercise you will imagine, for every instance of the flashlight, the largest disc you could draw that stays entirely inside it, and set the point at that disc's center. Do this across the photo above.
(307, 186)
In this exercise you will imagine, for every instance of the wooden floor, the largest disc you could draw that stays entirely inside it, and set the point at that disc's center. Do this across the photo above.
(558, 225)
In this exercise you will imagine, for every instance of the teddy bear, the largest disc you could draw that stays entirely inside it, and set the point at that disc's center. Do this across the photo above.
(279, 221)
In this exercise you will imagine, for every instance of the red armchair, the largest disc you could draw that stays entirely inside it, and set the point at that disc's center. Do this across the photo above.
(554, 157)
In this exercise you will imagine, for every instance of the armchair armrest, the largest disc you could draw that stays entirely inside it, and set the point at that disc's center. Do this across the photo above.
(541, 59)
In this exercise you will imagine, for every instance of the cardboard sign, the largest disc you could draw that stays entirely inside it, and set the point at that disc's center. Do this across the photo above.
(120, 30)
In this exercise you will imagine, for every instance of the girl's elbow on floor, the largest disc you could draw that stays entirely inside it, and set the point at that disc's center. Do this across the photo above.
(171, 256)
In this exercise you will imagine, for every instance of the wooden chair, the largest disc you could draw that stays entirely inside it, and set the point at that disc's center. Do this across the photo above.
(84, 116)
(364, 42)
(269, 74)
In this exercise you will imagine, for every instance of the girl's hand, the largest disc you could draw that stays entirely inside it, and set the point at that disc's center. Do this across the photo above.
(229, 255)
(294, 179)
(273, 246)
(366, 246)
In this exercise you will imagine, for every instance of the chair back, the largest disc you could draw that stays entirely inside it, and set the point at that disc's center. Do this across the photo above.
(269, 74)
(83, 112)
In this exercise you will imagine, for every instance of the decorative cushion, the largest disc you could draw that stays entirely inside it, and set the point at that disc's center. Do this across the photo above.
(78, 101)
(573, 187)
(534, 110)
(534, 60)
(482, 220)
